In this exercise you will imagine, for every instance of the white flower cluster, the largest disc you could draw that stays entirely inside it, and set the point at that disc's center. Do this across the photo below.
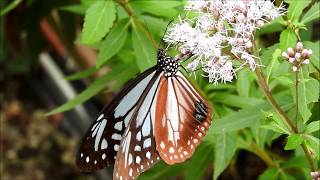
(220, 32)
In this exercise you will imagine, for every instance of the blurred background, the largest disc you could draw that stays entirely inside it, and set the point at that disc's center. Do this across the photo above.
(43, 65)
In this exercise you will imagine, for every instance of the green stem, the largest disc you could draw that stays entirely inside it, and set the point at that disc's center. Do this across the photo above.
(296, 94)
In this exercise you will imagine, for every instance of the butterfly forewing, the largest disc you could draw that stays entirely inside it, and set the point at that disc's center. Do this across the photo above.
(182, 120)
(137, 151)
(101, 142)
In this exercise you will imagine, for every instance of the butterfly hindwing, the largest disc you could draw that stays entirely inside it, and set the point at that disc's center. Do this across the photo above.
(101, 142)
(137, 151)
(182, 121)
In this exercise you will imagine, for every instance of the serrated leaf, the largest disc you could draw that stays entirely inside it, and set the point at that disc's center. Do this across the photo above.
(287, 39)
(295, 8)
(82, 74)
(113, 42)
(270, 173)
(308, 91)
(294, 140)
(225, 148)
(145, 52)
(274, 64)
(312, 14)
(159, 8)
(312, 127)
(118, 72)
(76, 8)
(313, 144)
(243, 83)
(199, 162)
(161, 171)
(276, 124)
(97, 21)
(245, 117)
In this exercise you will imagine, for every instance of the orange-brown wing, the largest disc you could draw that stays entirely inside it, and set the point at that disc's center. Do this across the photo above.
(182, 119)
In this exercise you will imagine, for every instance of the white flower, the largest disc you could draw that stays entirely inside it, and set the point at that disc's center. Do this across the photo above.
(221, 32)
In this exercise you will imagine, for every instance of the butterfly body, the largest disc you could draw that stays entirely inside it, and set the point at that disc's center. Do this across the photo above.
(158, 115)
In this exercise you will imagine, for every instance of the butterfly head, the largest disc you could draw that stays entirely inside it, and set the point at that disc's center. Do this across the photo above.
(167, 64)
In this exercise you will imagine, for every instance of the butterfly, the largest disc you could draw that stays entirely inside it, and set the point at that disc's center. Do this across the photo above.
(157, 115)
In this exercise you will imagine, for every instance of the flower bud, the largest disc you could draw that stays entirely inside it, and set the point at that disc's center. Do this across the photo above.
(291, 60)
(297, 56)
(241, 18)
(305, 54)
(285, 55)
(294, 68)
(306, 61)
(259, 23)
(290, 52)
(299, 47)
(309, 52)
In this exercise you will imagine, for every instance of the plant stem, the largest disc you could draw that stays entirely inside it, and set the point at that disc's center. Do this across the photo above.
(264, 86)
(296, 94)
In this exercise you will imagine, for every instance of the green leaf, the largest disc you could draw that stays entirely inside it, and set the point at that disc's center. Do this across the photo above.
(199, 162)
(243, 83)
(82, 74)
(98, 21)
(234, 100)
(315, 47)
(275, 123)
(295, 8)
(294, 140)
(145, 52)
(76, 8)
(159, 8)
(270, 173)
(313, 144)
(287, 39)
(245, 117)
(161, 171)
(113, 42)
(308, 91)
(274, 64)
(9, 7)
(312, 127)
(225, 148)
(296, 162)
(100, 83)
(312, 14)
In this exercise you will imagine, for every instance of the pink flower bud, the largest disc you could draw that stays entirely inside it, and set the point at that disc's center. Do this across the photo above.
(290, 52)
(306, 61)
(241, 18)
(304, 54)
(285, 55)
(299, 47)
(297, 56)
(291, 60)
(294, 68)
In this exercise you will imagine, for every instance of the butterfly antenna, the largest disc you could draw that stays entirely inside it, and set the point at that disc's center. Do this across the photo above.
(165, 33)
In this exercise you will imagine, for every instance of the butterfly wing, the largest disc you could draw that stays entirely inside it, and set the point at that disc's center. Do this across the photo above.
(101, 142)
(182, 120)
(137, 151)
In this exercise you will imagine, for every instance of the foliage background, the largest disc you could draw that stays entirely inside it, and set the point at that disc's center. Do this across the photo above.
(247, 140)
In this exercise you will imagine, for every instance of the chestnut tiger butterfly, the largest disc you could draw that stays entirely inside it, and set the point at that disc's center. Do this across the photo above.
(157, 115)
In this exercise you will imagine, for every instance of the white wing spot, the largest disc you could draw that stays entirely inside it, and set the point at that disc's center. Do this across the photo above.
(100, 117)
(162, 145)
(199, 134)
(118, 126)
(103, 156)
(171, 150)
(95, 162)
(104, 144)
(137, 148)
(138, 159)
(81, 155)
(202, 128)
(116, 136)
(116, 147)
(185, 152)
(195, 140)
(141, 167)
(148, 155)
(130, 159)
(130, 172)
(147, 143)
(87, 159)
(139, 136)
